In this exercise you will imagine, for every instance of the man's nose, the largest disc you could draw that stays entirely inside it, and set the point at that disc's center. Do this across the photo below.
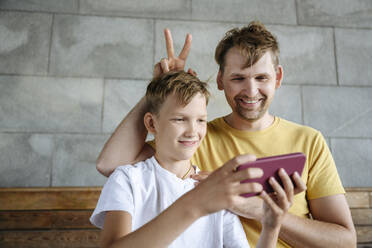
(250, 88)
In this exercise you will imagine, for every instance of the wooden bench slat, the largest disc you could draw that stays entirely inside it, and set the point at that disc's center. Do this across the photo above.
(362, 216)
(47, 239)
(364, 234)
(49, 198)
(12, 220)
(357, 199)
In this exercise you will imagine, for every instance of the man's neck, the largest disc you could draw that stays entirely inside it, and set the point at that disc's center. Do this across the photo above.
(237, 122)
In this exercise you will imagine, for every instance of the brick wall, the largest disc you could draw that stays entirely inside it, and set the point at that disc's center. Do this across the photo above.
(70, 70)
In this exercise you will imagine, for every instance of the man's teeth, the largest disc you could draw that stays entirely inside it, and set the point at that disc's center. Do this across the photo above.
(252, 101)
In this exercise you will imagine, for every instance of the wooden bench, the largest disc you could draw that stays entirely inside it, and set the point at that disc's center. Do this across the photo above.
(59, 217)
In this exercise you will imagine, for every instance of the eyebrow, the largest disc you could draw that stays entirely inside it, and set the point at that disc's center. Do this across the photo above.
(235, 74)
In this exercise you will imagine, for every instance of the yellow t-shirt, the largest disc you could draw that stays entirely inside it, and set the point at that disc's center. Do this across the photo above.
(223, 142)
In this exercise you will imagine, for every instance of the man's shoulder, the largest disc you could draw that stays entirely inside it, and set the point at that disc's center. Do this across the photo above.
(296, 127)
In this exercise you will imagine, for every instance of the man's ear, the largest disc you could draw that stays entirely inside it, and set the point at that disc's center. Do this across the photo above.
(148, 120)
(219, 80)
(279, 77)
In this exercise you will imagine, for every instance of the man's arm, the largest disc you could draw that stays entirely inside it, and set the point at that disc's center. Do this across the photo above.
(127, 144)
(332, 225)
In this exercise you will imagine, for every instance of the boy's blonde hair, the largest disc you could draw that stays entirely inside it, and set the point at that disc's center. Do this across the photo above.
(253, 41)
(183, 84)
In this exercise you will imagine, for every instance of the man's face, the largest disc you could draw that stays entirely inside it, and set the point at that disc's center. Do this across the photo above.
(249, 90)
(179, 129)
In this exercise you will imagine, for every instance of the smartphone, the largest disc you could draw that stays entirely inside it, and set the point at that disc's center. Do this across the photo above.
(270, 165)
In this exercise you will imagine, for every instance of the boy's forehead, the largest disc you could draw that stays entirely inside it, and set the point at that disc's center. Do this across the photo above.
(173, 103)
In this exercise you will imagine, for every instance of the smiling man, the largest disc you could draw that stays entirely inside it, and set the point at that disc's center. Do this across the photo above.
(249, 74)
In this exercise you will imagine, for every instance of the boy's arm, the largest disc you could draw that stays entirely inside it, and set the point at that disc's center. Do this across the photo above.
(127, 144)
(275, 206)
(159, 232)
(219, 191)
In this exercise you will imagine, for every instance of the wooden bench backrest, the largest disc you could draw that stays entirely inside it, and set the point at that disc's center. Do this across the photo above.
(59, 217)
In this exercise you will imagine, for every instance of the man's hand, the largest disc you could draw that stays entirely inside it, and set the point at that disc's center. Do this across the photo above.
(173, 63)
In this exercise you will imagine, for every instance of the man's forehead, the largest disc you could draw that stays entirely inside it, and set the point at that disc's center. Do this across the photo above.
(238, 66)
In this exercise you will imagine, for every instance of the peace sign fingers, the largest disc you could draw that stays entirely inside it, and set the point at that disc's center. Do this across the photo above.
(186, 48)
(169, 43)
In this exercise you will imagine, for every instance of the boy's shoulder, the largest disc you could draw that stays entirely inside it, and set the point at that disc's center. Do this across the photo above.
(134, 170)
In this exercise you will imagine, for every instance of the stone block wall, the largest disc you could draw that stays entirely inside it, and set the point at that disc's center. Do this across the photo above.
(71, 70)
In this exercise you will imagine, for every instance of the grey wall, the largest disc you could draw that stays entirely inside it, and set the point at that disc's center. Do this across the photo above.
(70, 70)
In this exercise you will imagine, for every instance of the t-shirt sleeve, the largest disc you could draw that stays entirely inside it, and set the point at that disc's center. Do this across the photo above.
(323, 178)
(116, 195)
(233, 232)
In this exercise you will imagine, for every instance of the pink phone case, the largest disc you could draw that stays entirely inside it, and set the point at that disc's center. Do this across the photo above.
(270, 165)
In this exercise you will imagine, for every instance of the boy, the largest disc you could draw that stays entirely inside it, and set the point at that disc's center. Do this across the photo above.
(155, 203)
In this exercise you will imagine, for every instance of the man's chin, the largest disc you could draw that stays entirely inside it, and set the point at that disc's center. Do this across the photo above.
(250, 117)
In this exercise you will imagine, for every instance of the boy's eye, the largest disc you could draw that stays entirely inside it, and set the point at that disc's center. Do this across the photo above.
(178, 119)
(202, 120)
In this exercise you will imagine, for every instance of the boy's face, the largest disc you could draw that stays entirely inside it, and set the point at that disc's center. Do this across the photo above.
(179, 129)
(249, 90)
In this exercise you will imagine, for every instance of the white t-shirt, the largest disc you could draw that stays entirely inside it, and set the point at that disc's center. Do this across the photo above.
(146, 189)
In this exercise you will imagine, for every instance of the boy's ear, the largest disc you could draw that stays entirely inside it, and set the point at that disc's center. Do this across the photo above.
(219, 80)
(148, 120)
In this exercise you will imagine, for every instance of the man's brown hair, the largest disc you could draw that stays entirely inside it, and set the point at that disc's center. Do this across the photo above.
(181, 83)
(253, 41)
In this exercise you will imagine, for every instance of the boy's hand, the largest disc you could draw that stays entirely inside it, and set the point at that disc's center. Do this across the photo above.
(222, 188)
(252, 207)
(277, 204)
(173, 63)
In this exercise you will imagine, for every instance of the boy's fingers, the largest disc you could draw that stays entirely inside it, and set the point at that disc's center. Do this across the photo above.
(186, 48)
(299, 183)
(249, 173)
(232, 164)
(169, 43)
(245, 188)
(280, 193)
(270, 202)
(287, 183)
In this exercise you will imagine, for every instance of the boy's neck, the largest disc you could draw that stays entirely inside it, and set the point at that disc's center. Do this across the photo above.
(177, 167)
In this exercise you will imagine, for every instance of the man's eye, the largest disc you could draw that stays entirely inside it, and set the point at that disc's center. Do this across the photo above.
(261, 78)
(237, 79)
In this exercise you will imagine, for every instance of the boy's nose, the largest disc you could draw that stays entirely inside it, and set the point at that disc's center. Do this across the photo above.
(191, 128)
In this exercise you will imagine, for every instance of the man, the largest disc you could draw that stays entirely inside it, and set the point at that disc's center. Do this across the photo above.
(249, 74)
